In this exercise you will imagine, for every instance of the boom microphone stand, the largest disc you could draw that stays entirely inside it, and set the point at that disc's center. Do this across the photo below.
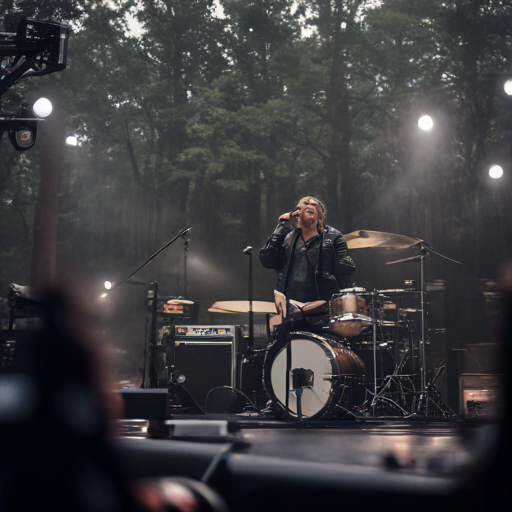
(250, 343)
(149, 346)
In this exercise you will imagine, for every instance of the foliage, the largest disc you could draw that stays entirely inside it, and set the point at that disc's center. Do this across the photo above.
(223, 122)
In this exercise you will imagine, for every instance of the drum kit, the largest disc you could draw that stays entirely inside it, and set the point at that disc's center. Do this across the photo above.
(362, 353)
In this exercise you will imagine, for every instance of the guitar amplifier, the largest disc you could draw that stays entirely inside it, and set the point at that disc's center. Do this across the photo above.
(203, 357)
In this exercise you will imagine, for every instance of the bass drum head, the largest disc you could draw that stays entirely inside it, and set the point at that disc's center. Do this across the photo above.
(338, 375)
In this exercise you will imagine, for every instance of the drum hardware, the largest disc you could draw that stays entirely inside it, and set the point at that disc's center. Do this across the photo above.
(433, 395)
(385, 388)
(423, 250)
(301, 379)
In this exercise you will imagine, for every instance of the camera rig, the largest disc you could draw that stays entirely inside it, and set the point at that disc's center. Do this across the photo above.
(36, 48)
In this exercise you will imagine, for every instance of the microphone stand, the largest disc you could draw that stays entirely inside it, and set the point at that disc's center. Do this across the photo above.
(153, 256)
(187, 250)
(149, 345)
(250, 343)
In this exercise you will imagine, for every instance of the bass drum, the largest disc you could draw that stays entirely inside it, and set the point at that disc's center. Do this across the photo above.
(338, 375)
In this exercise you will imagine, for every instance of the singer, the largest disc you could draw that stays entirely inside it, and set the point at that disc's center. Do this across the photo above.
(311, 257)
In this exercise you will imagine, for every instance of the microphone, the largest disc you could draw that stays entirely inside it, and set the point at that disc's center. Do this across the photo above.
(248, 250)
(290, 215)
(185, 231)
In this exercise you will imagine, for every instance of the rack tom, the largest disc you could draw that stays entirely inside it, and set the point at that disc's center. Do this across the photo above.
(348, 312)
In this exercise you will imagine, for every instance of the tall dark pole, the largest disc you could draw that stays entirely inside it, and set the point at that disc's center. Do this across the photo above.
(187, 250)
(250, 344)
(148, 377)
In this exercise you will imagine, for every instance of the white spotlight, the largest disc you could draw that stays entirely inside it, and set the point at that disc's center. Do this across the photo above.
(425, 122)
(496, 172)
(508, 87)
(108, 285)
(71, 141)
(42, 108)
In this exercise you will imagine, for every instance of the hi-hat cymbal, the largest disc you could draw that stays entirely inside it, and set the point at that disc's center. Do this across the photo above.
(242, 306)
(396, 292)
(364, 239)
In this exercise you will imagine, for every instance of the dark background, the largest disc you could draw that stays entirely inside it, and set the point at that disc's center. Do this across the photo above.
(224, 122)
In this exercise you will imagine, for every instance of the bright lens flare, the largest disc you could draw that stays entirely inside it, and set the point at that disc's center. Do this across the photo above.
(107, 285)
(508, 87)
(496, 172)
(42, 108)
(425, 122)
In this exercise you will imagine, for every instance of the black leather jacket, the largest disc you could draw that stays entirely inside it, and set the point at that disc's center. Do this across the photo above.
(333, 268)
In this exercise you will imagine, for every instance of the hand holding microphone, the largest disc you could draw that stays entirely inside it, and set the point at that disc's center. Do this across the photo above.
(290, 217)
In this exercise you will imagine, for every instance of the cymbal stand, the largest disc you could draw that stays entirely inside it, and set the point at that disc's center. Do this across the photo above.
(427, 388)
(374, 328)
(422, 342)
(378, 396)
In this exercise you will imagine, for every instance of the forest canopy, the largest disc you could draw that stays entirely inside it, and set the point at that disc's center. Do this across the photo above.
(222, 114)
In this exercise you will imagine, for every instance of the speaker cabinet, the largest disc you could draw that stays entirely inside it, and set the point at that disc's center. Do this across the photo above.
(474, 383)
(203, 357)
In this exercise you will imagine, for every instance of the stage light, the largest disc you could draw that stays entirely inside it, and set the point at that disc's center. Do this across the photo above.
(508, 87)
(496, 172)
(108, 285)
(425, 122)
(42, 108)
(24, 136)
(71, 141)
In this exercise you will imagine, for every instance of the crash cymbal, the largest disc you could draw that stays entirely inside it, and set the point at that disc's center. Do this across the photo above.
(363, 239)
(242, 306)
(180, 301)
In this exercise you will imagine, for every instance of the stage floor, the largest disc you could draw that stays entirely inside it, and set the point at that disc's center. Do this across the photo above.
(415, 447)
(430, 461)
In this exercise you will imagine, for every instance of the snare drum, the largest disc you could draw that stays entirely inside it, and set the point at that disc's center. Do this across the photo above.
(338, 375)
(349, 324)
